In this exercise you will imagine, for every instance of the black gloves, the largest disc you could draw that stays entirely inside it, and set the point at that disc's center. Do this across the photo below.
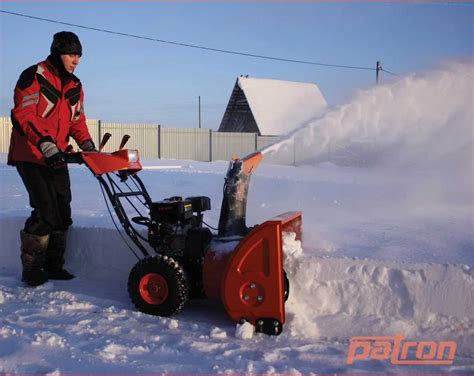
(88, 145)
(52, 155)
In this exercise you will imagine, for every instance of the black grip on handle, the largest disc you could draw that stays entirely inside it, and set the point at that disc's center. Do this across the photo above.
(74, 158)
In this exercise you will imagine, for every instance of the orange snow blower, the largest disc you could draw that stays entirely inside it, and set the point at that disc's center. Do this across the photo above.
(181, 258)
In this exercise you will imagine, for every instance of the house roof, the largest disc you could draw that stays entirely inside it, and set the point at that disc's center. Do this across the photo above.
(281, 106)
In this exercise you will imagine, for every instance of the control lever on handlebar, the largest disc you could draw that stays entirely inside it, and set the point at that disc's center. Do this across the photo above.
(125, 138)
(105, 139)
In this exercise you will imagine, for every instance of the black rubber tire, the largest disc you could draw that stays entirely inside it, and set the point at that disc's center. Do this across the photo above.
(176, 280)
(287, 286)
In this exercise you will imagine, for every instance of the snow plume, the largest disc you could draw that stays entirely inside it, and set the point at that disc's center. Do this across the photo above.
(422, 120)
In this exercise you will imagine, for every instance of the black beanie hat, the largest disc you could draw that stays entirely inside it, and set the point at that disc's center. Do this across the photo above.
(66, 43)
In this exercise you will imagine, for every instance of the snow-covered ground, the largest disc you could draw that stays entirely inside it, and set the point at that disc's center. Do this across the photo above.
(388, 249)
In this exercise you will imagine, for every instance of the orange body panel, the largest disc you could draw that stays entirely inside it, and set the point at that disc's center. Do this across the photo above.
(251, 162)
(102, 163)
(213, 268)
(250, 280)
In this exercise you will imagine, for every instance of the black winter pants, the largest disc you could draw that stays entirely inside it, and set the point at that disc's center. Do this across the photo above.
(49, 191)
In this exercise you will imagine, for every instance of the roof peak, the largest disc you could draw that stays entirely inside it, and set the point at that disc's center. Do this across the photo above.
(247, 77)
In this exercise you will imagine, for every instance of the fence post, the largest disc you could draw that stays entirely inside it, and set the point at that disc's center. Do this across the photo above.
(159, 141)
(99, 130)
(210, 145)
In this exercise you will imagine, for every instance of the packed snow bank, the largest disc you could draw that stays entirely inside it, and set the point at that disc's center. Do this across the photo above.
(93, 252)
(332, 298)
(338, 298)
(422, 120)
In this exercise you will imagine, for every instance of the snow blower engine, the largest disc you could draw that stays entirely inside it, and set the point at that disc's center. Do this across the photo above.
(180, 258)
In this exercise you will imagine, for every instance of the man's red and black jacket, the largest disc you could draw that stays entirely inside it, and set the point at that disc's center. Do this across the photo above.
(45, 109)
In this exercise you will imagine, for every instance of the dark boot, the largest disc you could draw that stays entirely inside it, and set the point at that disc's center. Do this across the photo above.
(55, 257)
(33, 257)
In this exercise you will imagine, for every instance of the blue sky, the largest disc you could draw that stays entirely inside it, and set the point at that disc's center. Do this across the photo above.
(134, 80)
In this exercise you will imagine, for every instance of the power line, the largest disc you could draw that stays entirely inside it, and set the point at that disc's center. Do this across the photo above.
(191, 45)
(386, 71)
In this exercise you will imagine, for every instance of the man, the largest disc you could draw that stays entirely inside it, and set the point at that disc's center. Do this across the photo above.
(48, 110)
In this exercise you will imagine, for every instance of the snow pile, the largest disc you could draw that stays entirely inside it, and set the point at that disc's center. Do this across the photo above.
(343, 297)
(245, 330)
(114, 351)
(49, 339)
(421, 120)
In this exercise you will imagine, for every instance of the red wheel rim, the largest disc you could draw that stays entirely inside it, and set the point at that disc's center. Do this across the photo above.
(153, 288)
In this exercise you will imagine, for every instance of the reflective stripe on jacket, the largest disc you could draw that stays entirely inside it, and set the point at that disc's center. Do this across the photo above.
(44, 109)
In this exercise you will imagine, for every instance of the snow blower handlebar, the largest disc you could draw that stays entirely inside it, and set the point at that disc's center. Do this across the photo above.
(122, 160)
(109, 169)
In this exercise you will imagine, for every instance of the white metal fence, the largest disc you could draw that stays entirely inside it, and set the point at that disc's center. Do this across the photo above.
(154, 141)
(205, 145)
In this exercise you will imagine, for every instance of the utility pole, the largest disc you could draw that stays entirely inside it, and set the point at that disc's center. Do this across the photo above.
(378, 68)
(199, 111)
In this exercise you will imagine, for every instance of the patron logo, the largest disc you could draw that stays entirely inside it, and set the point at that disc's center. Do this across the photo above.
(401, 352)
